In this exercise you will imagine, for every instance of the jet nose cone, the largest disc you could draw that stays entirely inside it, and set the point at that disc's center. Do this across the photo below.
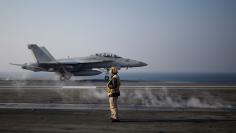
(143, 64)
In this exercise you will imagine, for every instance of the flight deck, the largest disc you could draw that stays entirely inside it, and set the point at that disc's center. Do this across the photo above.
(82, 106)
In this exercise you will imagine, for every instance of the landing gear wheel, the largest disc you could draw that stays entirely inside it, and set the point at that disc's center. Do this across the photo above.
(106, 78)
(107, 75)
(65, 77)
(62, 78)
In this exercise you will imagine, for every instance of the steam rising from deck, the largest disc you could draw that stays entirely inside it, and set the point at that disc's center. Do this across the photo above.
(163, 98)
(143, 97)
(147, 97)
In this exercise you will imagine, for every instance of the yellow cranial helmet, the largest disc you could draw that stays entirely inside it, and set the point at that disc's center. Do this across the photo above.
(114, 70)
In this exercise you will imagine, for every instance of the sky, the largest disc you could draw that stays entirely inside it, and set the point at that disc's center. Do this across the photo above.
(169, 35)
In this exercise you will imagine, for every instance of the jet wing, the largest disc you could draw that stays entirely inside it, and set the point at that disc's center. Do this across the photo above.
(81, 61)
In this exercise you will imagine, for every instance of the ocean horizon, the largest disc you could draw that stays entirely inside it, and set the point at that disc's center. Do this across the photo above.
(142, 76)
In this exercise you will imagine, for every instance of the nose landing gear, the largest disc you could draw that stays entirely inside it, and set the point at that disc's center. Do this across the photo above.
(106, 78)
(107, 75)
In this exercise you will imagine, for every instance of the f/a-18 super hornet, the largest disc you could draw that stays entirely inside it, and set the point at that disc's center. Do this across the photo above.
(79, 66)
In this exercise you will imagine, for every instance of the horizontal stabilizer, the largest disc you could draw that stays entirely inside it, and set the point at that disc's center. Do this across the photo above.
(17, 64)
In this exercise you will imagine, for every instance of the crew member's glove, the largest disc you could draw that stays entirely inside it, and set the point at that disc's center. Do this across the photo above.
(108, 90)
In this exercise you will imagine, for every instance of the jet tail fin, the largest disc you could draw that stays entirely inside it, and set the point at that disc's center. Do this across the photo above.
(41, 54)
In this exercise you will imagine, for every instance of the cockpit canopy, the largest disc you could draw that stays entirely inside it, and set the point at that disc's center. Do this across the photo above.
(107, 55)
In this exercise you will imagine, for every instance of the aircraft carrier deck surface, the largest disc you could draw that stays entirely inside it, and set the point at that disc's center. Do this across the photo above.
(82, 106)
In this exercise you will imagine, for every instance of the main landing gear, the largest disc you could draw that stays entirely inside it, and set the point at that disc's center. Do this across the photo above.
(64, 77)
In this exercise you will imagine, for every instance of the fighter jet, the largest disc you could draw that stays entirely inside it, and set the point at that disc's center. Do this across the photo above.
(79, 66)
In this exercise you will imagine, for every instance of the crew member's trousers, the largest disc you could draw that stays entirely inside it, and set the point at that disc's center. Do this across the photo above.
(113, 107)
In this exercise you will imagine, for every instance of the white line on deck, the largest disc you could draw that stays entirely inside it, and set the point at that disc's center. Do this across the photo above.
(79, 87)
(122, 87)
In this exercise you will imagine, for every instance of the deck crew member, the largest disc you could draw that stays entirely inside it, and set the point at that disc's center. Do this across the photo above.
(113, 93)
